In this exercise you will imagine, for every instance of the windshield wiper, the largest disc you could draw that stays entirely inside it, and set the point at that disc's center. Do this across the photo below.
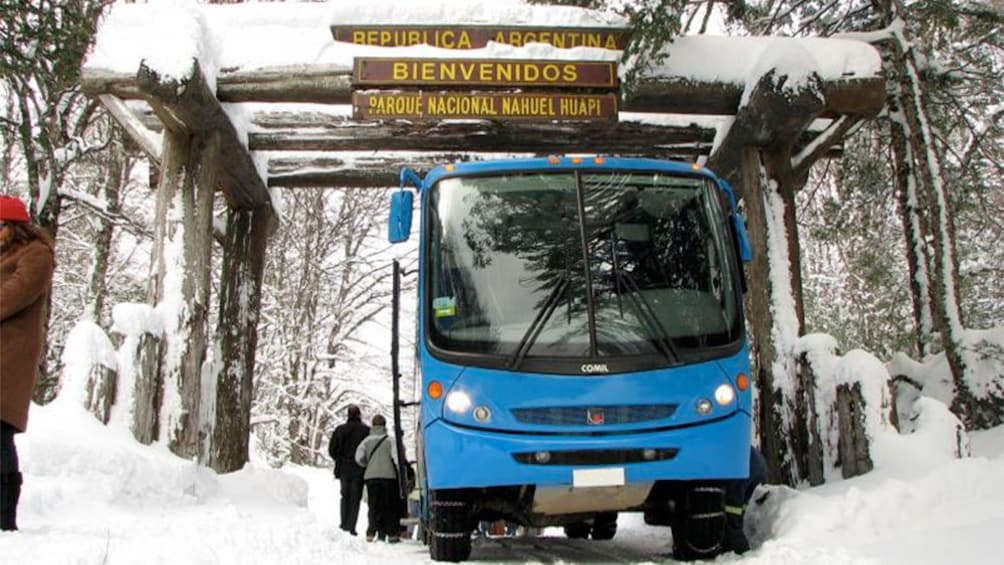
(528, 339)
(647, 316)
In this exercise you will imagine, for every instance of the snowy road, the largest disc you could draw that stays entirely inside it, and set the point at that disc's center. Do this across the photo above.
(95, 496)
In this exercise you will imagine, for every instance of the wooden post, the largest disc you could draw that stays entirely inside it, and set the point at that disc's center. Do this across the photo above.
(100, 392)
(853, 443)
(202, 151)
(148, 390)
(761, 321)
(183, 249)
(237, 334)
(806, 424)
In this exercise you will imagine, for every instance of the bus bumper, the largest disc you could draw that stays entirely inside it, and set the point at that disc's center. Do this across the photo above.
(461, 457)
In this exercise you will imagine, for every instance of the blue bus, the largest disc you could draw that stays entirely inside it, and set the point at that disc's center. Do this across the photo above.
(580, 344)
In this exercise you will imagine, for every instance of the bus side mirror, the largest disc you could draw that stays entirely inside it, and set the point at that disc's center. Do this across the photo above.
(738, 225)
(402, 204)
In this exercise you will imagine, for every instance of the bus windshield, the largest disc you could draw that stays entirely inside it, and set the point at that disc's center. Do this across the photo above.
(580, 265)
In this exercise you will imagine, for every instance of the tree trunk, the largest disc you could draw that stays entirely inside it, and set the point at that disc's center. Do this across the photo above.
(97, 288)
(975, 413)
(917, 252)
(240, 300)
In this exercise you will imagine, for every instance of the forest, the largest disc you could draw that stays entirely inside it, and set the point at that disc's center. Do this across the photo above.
(896, 234)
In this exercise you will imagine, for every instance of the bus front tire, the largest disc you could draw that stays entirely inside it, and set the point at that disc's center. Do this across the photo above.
(604, 525)
(577, 530)
(449, 532)
(699, 524)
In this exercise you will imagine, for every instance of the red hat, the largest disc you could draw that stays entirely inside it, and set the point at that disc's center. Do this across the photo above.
(12, 209)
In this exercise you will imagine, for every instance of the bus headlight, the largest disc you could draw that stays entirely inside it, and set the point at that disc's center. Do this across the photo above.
(458, 401)
(725, 394)
(704, 406)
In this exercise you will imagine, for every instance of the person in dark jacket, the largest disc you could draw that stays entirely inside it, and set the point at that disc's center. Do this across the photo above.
(26, 265)
(378, 453)
(342, 448)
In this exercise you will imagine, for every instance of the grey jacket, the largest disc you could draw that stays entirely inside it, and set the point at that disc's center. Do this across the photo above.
(380, 460)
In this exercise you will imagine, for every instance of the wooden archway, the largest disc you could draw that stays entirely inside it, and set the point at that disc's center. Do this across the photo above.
(182, 125)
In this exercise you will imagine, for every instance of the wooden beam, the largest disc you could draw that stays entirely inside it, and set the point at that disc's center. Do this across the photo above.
(188, 107)
(103, 81)
(374, 170)
(331, 84)
(772, 117)
(356, 171)
(325, 84)
(622, 138)
(859, 97)
(149, 141)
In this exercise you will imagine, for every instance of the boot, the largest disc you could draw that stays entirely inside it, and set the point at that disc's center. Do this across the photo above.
(735, 538)
(10, 491)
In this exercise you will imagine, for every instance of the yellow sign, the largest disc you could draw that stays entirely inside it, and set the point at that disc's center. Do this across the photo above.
(474, 37)
(371, 71)
(484, 105)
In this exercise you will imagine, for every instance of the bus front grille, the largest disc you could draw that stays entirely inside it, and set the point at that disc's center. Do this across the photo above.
(581, 415)
(582, 457)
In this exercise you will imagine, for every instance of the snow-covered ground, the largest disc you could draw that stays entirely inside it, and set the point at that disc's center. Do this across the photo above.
(93, 495)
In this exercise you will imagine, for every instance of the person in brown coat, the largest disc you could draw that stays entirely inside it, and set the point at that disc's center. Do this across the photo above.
(26, 265)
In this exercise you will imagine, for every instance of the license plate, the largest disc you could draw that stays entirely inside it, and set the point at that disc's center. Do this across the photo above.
(609, 477)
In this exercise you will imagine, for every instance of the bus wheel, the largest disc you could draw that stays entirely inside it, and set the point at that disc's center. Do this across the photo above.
(699, 523)
(577, 530)
(604, 525)
(449, 532)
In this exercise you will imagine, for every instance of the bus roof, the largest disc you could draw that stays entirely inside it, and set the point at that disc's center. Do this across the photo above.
(562, 163)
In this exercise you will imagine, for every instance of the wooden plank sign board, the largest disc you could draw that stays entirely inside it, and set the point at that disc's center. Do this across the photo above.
(484, 106)
(380, 71)
(475, 37)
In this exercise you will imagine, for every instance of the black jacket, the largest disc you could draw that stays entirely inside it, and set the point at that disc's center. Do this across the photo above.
(342, 447)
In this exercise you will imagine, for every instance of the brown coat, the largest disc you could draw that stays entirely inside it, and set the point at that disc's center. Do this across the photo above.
(25, 280)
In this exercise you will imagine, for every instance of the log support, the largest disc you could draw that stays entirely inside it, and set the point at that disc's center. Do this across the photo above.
(237, 334)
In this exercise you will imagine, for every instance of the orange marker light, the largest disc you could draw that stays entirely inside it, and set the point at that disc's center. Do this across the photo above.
(450, 167)
(576, 160)
(742, 381)
(599, 160)
(553, 160)
(435, 390)
(695, 166)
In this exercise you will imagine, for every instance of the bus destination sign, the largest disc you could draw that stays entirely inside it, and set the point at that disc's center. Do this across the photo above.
(484, 106)
(379, 71)
(475, 37)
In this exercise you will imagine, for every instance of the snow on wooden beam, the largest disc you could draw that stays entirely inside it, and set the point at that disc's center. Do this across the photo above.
(103, 81)
(351, 170)
(327, 84)
(368, 169)
(530, 137)
(331, 84)
(859, 97)
(188, 106)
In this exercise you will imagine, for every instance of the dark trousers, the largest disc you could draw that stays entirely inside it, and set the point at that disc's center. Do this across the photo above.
(8, 450)
(10, 478)
(739, 492)
(352, 495)
(385, 507)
